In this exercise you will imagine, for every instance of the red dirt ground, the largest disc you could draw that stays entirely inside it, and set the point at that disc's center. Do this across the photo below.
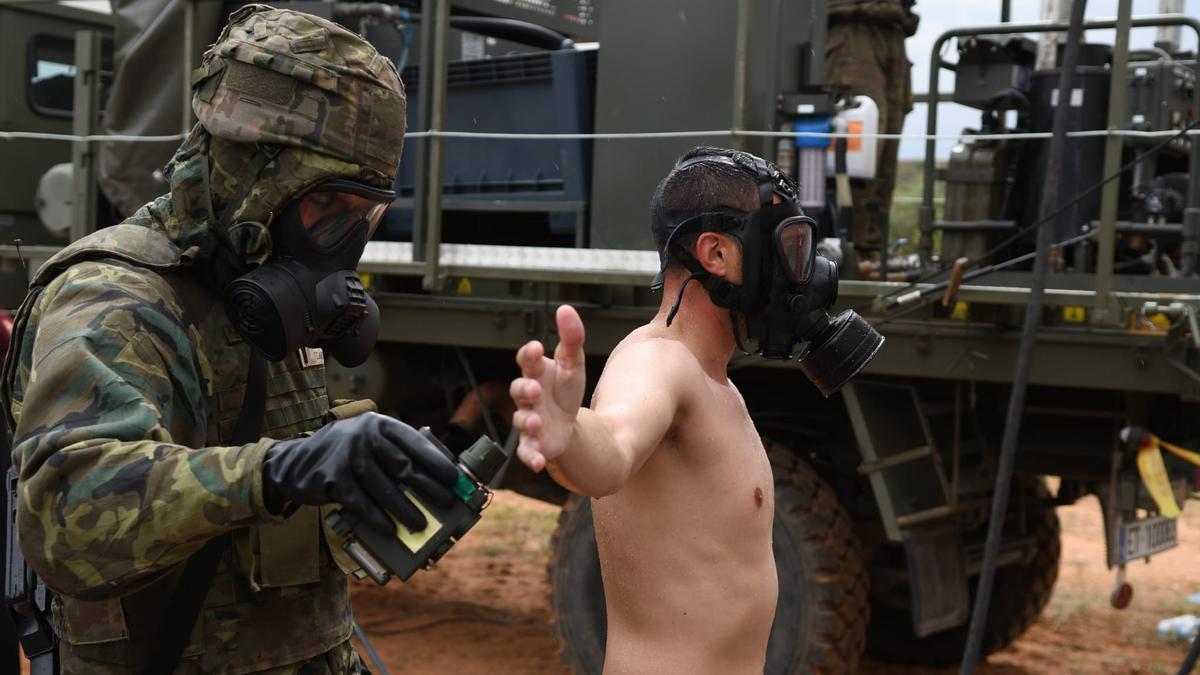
(483, 609)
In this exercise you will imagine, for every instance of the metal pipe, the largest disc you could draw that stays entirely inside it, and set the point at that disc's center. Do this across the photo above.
(1170, 38)
(1106, 308)
(189, 49)
(437, 78)
(1005, 11)
(87, 114)
(925, 219)
(1047, 50)
(936, 63)
(1190, 249)
(740, 70)
(1033, 321)
(420, 202)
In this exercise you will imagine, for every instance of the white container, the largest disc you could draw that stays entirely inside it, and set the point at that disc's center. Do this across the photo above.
(1180, 627)
(861, 121)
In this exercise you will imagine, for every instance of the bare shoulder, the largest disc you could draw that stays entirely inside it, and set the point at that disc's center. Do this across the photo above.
(645, 348)
(645, 360)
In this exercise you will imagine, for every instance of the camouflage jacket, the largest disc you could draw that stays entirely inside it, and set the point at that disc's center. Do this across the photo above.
(896, 13)
(123, 383)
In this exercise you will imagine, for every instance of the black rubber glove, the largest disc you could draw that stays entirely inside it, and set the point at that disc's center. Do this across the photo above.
(365, 464)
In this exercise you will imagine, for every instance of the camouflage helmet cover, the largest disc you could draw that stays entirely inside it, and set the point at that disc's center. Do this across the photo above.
(284, 77)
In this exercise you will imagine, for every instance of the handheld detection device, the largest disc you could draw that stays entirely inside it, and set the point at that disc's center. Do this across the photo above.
(403, 552)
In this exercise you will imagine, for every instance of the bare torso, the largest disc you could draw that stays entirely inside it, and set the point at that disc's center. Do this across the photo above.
(685, 545)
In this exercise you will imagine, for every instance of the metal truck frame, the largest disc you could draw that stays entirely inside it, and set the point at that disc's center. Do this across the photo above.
(883, 491)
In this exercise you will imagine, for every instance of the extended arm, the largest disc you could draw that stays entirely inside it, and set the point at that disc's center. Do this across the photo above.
(593, 452)
(632, 410)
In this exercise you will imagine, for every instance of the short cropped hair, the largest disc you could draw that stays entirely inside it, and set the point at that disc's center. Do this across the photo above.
(697, 188)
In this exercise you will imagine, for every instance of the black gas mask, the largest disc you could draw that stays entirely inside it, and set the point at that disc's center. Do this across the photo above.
(787, 288)
(308, 294)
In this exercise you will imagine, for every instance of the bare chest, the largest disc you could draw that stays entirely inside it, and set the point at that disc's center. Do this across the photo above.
(719, 451)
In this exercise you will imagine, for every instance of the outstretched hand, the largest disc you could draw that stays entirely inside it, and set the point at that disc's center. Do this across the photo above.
(549, 393)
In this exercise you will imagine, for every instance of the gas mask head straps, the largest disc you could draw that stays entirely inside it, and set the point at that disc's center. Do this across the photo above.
(742, 297)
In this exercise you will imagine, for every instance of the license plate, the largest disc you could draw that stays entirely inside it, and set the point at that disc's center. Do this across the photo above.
(1143, 538)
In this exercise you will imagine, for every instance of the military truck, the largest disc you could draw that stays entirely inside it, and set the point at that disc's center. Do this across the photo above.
(537, 132)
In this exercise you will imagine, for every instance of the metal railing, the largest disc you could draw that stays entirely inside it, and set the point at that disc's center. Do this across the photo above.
(1102, 297)
(433, 260)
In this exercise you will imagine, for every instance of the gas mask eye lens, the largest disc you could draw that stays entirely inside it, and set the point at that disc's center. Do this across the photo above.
(333, 211)
(794, 240)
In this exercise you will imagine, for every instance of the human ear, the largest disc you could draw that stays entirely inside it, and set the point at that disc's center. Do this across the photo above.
(712, 254)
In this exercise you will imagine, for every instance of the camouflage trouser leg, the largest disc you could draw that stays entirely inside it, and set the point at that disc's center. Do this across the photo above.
(868, 58)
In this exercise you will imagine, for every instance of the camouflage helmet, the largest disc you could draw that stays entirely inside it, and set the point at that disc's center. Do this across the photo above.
(277, 76)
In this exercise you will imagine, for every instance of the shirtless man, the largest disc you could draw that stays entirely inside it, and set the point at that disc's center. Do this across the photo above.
(683, 491)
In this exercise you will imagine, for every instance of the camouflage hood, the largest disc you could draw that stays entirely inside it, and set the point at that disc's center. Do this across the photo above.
(285, 101)
(225, 235)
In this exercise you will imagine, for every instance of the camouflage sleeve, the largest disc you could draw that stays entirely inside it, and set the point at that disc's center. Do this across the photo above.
(109, 499)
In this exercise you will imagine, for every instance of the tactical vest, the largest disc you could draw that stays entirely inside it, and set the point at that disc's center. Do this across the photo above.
(280, 594)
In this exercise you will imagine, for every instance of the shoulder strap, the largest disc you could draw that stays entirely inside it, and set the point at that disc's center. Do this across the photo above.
(200, 570)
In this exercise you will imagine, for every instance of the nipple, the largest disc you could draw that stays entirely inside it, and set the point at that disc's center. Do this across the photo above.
(758, 497)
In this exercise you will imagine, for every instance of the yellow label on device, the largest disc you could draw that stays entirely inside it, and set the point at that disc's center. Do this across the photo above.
(415, 540)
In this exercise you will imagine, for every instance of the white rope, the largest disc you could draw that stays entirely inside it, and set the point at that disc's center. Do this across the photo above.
(1127, 133)
(571, 137)
(791, 134)
(32, 135)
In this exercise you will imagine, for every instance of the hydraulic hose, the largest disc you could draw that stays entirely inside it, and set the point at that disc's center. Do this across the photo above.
(511, 29)
(1033, 320)
(523, 32)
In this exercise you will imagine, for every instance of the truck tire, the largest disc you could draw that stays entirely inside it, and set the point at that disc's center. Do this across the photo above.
(820, 622)
(1020, 593)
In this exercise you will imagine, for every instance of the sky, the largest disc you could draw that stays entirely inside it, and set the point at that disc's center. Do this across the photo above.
(938, 16)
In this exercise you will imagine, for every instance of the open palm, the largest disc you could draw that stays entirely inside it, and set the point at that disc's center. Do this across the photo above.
(549, 393)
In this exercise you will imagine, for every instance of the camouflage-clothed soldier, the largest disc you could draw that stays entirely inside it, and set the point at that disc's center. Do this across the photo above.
(127, 377)
(864, 55)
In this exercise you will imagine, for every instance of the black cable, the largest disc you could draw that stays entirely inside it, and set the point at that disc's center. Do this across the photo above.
(1045, 218)
(514, 30)
(487, 412)
(1033, 320)
(1189, 661)
(983, 271)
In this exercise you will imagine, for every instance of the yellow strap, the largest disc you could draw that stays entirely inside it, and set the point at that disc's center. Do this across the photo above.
(1154, 472)
(1154, 477)
(1193, 457)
